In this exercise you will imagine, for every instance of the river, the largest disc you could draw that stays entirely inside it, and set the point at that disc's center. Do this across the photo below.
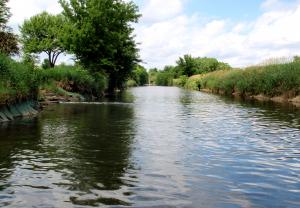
(153, 147)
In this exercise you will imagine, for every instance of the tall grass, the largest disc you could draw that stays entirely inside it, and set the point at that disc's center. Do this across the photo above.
(75, 79)
(20, 81)
(17, 81)
(272, 80)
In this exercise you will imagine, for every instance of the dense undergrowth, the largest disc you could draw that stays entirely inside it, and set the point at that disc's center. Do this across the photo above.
(272, 80)
(19, 81)
(74, 79)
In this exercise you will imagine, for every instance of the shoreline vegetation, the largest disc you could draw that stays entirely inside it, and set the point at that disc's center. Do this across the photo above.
(274, 81)
(279, 83)
(98, 35)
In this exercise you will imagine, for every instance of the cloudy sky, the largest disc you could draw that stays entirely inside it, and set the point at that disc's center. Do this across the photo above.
(238, 32)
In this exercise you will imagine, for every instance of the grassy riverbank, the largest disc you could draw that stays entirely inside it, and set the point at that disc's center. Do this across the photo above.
(69, 83)
(20, 81)
(280, 82)
(17, 81)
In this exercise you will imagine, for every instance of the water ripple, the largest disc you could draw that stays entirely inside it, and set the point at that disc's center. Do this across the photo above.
(165, 148)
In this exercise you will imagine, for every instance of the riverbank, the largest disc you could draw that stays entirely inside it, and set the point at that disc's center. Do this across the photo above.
(17, 110)
(278, 83)
(23, 83)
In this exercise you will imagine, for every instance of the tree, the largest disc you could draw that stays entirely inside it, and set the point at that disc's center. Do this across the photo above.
(8, 40)
(30, 60)
(4, 14)
(187, 64)
(41, 33)
(296, 59)
(140, 75)
(8, 43)
(164, 78)
(101, 37)
(152, 75)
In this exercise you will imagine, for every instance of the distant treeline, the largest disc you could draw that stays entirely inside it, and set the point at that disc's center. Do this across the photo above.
(272, 78)
(185, 67)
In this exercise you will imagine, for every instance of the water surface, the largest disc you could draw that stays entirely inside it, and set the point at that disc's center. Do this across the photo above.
(153, 147)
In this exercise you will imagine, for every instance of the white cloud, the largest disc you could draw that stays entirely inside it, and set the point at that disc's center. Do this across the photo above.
(166, 31)
(24, 9)
(273, 34)
(278, 4)
(158, 10)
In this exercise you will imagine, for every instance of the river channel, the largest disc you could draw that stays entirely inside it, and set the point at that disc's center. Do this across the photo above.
(153, 147)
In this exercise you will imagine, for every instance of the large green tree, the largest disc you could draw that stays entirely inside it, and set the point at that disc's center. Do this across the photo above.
(101, 36)
(8, 40)
(41, 33)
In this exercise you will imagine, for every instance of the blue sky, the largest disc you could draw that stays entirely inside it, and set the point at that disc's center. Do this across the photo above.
(239, 32)
(233, 9)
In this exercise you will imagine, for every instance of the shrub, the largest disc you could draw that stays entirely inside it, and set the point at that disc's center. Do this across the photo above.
(76, 79)
(181, 81)
(131, 83)
(17, 81)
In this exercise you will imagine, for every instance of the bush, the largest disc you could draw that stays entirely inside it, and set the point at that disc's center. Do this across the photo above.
(164, 78)
(17, 81)
(76, 79)
(131, 83)
(181, 81)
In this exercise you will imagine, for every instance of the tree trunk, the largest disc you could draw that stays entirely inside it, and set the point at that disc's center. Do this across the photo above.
(51, 64)
(112, 84)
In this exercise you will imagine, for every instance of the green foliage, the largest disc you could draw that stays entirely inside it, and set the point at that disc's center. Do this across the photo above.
(4, 14)
(41, 33)
(8, 40)
(188, 65)
(164, 78)
(152, 76)
(139, 76)
(17, 80)
(45, 64)
(30, 59)
(272, 80)
(296, 59)
(131, 83)
(22, 81)
(101, 36)
(8, 43)
(181, 81)
(76, 79)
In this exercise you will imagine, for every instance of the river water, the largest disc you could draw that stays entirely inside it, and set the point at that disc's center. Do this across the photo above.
(153, 147)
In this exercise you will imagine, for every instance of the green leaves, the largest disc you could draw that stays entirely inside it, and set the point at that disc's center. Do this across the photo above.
(8, 40)
(8, 43)
(140, 76)
(42, 33)
(189, 65)
(100, 35)
(4, 14)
